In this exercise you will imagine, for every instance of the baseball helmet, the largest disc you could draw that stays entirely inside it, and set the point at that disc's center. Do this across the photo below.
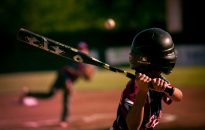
(153, 49)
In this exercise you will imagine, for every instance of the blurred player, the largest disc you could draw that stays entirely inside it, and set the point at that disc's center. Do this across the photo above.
(67, 76)
(152, 53)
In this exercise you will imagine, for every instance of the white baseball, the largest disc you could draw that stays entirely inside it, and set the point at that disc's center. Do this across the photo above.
(110, 23)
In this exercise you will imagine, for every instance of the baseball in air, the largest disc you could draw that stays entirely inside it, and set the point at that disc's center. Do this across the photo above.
(110, 23)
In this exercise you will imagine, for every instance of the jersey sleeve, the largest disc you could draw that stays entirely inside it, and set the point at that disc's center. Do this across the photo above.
(128, 97)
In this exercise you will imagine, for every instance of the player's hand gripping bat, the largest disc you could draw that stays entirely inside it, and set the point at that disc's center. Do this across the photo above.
(68, 52)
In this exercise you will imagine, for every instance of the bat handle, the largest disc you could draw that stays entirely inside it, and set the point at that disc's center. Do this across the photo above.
(169, 90)
(130, 75)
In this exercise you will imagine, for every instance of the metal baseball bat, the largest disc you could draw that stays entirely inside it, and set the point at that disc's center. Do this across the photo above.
(68, 52)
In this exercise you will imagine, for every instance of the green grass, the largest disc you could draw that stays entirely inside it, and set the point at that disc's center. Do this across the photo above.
(33, 80)
(181, 76)
(188, 76)
(103, 80)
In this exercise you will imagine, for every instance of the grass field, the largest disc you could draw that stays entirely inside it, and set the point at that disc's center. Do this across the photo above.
(103, 79)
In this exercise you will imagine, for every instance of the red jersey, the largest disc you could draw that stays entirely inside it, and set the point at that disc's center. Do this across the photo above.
(152, 108)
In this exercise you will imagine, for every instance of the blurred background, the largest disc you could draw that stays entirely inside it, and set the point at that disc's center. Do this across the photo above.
(71, 21)
(108, 27)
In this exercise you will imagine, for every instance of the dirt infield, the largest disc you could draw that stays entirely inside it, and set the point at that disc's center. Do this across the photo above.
(95, 110)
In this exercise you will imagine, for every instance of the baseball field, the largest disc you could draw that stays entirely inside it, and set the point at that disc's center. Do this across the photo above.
(94, 103)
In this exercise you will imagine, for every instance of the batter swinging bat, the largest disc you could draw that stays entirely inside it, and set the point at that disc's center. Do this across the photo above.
(68, 52)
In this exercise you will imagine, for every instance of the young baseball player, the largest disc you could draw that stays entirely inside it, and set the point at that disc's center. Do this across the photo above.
(152, 54)
(67, 76)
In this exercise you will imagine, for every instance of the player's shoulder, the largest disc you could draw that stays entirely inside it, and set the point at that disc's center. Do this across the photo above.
(130, 83)
(130, 86)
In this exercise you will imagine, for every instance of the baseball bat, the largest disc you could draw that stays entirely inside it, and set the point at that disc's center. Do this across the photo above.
(68, 52)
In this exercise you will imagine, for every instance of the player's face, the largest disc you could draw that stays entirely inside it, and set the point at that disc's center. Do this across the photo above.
(136, 64)
(153, 74)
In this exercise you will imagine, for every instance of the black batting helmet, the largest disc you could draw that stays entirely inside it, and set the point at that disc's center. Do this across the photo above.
(153, 49)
